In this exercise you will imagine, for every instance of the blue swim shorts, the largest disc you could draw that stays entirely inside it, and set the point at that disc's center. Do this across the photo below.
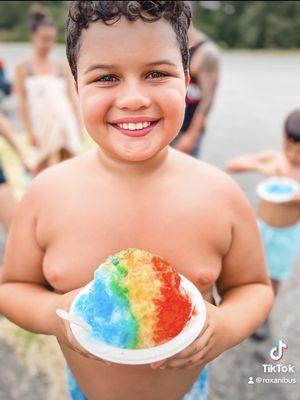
(281, 246)
(198, 391)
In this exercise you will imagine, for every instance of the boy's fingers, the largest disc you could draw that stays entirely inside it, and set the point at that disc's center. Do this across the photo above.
(197, 345)
(192, 362)
(157, 364)
(184, 353)
(199, 349)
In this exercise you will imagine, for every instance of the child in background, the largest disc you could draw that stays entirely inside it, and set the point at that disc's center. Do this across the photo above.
(46, 96)
(130, 64)
(279, 223)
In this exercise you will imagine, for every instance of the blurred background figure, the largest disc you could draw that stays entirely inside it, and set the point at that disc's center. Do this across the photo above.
(5, 86)
(7, 199)
(204, 74)
(45, 91)
(278, 222)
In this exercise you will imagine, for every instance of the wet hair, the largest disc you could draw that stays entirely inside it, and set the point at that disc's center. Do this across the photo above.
(292, 127)
(39, 16)
(83, 13)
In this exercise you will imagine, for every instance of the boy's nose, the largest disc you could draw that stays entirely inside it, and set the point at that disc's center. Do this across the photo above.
(133, 97)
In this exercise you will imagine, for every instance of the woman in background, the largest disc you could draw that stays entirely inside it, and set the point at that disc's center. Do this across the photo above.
(46, 96)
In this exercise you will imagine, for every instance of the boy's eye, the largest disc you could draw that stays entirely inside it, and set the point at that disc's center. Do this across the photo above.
(106, 78)
(157, 74)
(112, 78)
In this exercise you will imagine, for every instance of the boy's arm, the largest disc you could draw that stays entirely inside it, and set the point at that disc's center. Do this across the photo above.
(23, 296)
(244, 287)
(24, 299)
(261, 162)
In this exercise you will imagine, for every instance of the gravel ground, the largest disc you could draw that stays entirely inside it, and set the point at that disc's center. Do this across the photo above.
(247, 117)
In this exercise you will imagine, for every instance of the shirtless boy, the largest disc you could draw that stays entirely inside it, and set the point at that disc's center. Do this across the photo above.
(133, 190)
(279, 223)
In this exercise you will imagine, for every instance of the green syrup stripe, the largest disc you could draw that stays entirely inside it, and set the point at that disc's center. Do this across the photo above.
(122, 294)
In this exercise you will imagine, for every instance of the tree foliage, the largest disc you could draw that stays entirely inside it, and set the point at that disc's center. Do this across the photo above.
(233, 24)
(14, 17)
(250, 24)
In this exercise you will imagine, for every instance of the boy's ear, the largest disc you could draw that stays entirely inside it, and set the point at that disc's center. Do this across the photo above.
(187, 80)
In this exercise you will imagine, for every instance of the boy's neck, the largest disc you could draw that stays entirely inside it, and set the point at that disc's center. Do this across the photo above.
(134, 168)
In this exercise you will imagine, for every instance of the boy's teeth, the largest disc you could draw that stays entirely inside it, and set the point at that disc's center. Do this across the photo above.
(134, 126)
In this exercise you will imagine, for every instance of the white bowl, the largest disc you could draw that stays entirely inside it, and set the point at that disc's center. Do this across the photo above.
(265, 194)
(145, 356)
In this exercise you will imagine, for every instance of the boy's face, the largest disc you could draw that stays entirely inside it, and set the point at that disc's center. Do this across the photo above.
(292, 151)
(126, 89)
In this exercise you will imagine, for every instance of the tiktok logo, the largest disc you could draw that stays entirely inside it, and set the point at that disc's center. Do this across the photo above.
(276, 352)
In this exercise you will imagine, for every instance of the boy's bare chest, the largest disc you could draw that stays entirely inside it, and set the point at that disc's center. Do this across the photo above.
(83, 237)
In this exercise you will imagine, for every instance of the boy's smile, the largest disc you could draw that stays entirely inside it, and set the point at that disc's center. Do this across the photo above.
(131, 86)
(135, 126)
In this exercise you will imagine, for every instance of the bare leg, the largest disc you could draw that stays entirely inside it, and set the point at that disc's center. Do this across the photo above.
(7, 205)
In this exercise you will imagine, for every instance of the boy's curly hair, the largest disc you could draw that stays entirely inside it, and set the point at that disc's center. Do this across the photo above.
(82, 13)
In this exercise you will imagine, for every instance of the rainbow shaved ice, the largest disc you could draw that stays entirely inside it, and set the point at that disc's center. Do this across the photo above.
(135, 301)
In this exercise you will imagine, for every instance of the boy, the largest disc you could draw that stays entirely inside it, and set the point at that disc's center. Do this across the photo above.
(134, 191)
(279, 223)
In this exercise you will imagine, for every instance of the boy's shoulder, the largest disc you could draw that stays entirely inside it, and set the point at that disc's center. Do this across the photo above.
(197, 169)
(63, 175)
(203, 176)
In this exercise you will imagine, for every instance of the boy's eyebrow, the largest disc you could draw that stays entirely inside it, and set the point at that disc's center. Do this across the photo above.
(112, 66)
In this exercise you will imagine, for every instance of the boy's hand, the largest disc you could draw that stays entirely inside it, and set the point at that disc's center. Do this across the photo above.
(63, 330)
(208, 345)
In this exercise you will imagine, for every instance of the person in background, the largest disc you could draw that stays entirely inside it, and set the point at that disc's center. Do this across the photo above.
(279, 223)
(45, 90)
(204, 74)
(5, 86)
(7, 200)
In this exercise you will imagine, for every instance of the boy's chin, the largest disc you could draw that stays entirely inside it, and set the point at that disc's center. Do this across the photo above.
(137, 153)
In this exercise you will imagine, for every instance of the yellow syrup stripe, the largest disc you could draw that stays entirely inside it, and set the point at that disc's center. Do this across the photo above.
(144, 288)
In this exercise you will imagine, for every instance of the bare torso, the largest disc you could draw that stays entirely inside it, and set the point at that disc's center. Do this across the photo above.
(279, 214)
(93, 214)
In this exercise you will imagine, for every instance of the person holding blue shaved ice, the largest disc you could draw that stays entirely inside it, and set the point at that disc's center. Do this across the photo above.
(279, 223)
(130, 64)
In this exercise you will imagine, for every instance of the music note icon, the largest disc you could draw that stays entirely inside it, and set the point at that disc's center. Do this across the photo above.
(276, 352)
